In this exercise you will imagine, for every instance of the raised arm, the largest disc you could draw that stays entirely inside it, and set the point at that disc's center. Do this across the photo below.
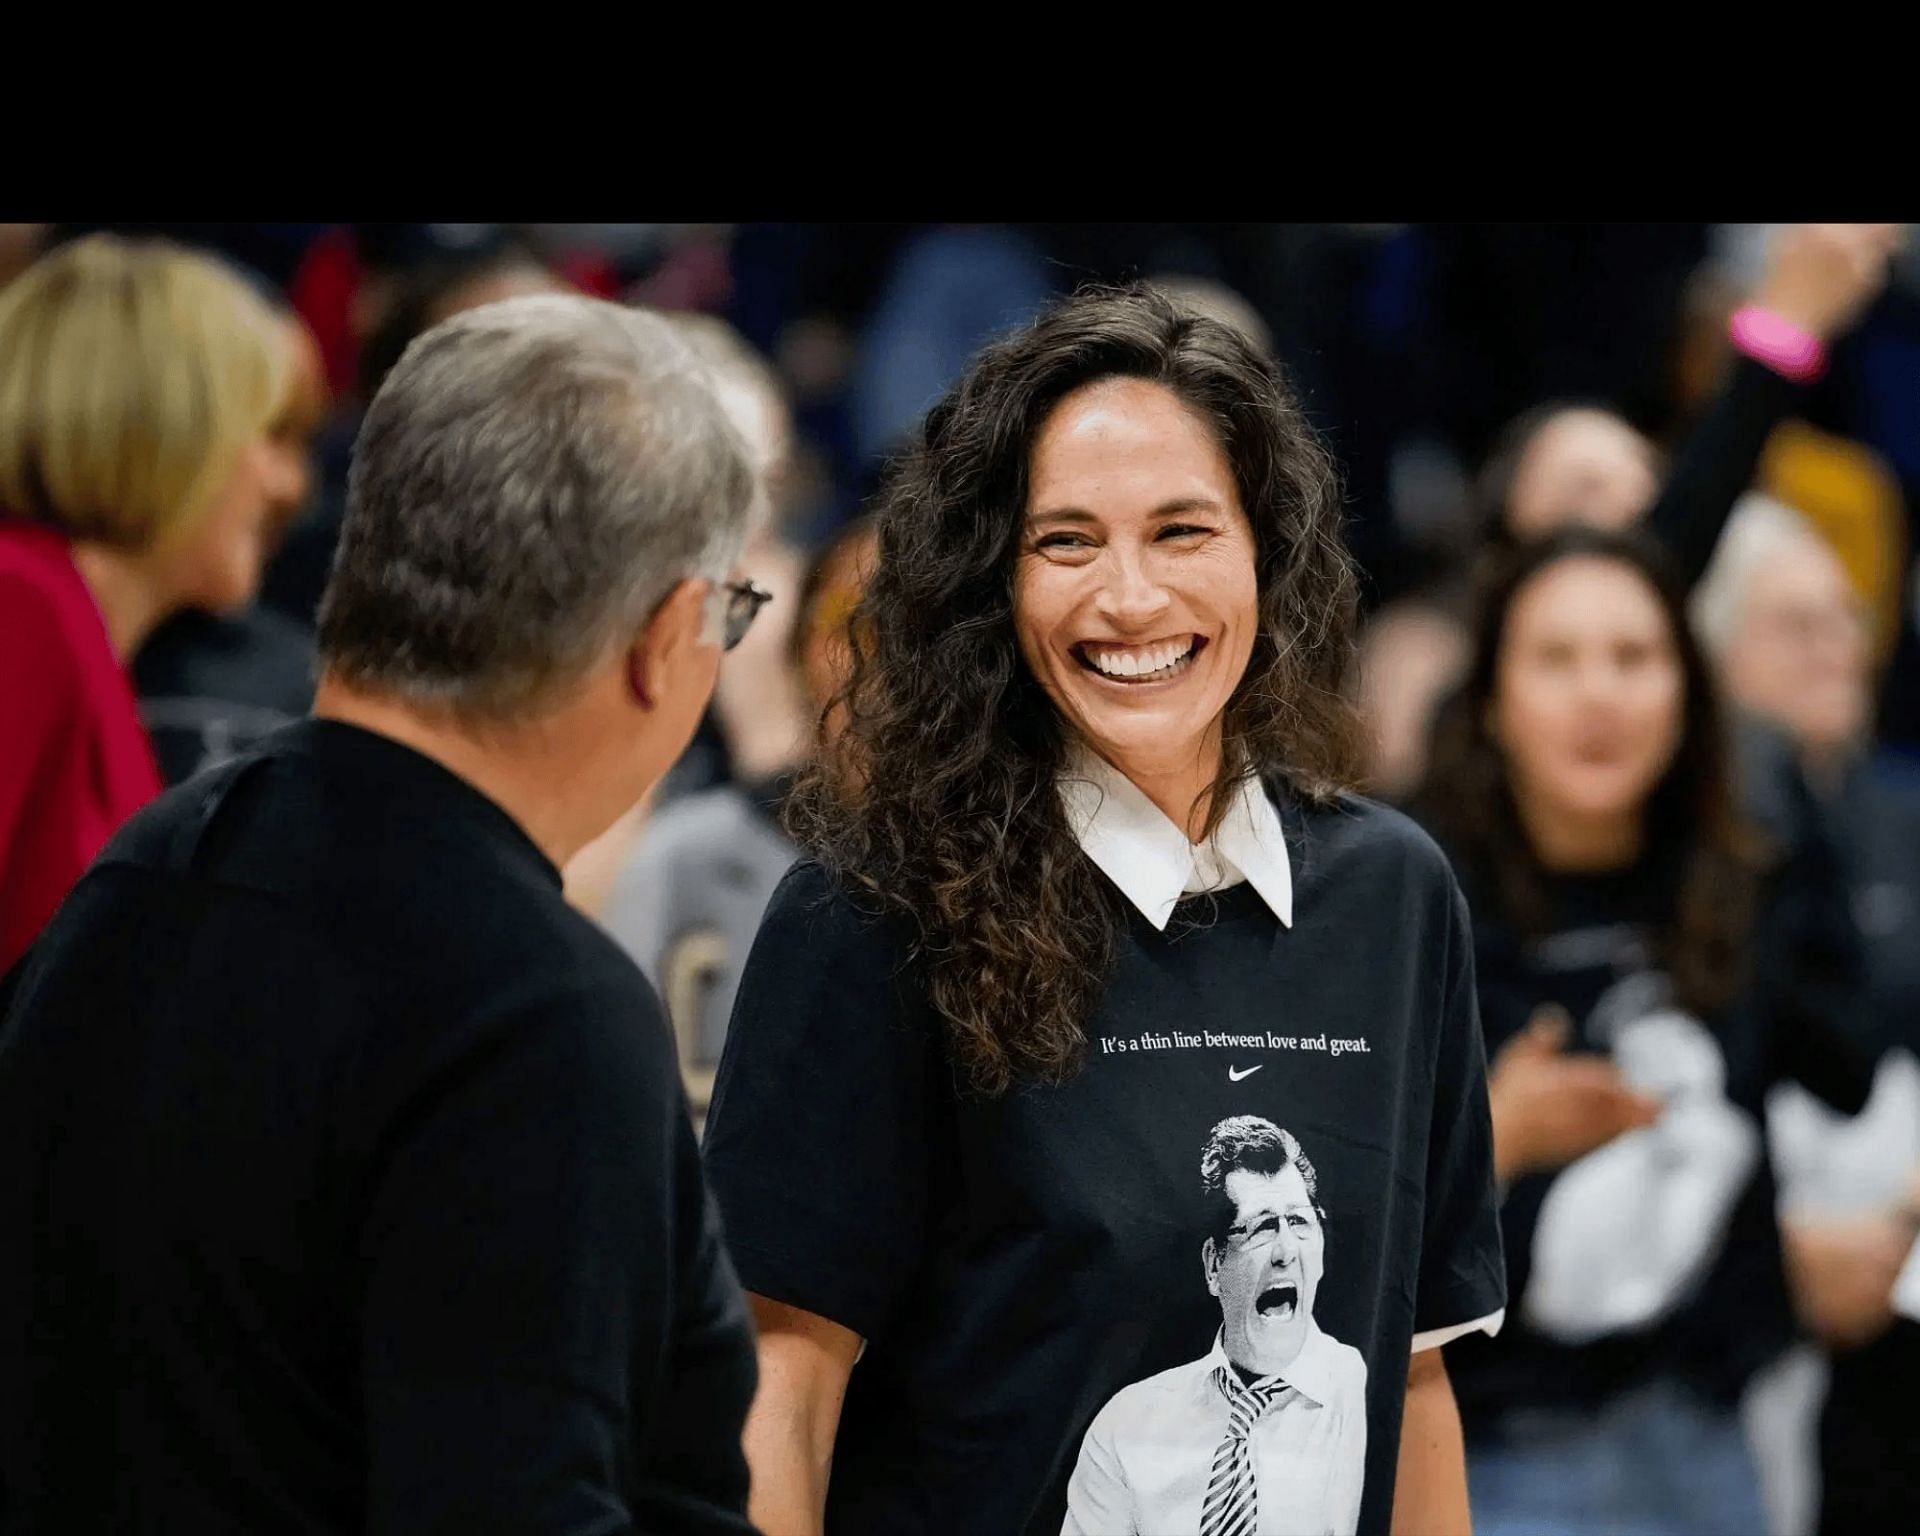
(1819, 280)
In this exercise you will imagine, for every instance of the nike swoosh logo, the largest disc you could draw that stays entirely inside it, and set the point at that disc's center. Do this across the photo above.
(1234, 1077)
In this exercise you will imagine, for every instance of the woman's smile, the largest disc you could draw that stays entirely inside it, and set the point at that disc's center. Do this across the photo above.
(1135, 666)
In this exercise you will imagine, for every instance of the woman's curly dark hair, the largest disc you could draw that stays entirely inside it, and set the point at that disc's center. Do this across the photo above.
(938, 798)
(1705, 862)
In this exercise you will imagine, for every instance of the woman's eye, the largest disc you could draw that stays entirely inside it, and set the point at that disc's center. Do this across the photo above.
(1182, 530)
(1062, 541)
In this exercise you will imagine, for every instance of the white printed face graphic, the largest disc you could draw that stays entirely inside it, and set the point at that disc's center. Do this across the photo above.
(1267, 1272)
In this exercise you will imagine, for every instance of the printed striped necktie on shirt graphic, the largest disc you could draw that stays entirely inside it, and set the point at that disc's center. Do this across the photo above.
(1232, 1505)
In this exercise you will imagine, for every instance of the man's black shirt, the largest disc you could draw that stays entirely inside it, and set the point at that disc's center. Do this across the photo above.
(346, 1183)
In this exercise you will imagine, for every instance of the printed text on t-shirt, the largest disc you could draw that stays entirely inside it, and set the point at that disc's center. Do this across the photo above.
(1180, 1040)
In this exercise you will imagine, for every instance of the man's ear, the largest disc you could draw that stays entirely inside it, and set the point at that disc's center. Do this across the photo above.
(673, 629)
(1210, 1262)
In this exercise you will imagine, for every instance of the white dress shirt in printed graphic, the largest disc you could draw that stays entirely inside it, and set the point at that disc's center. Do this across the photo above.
(1149, 1454)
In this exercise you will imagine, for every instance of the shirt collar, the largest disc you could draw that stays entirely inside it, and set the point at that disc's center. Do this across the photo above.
(1311, 1374)
(1150, 859)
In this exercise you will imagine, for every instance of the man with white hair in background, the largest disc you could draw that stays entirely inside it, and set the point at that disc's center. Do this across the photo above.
(1790, 635)
(346, 1180)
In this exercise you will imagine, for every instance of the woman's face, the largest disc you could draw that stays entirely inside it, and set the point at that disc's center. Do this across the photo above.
(1582, 466)
(1588, 691)
(1135, 596)
(217, 567)
(302, 417)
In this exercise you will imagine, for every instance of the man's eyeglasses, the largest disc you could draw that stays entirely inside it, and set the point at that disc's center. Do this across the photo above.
(737, 604)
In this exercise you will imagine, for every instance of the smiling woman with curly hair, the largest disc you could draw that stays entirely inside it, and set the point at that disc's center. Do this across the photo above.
(1083, 863)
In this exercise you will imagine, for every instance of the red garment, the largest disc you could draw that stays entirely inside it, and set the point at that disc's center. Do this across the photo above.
(323, 291)
(74, 759)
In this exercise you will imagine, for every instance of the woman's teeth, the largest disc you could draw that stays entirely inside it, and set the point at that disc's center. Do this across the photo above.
(1148, 663)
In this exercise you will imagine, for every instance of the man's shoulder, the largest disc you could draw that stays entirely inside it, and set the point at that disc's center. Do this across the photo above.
(417, 910)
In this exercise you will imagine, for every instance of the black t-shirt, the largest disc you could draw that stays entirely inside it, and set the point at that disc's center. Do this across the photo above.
(346, 1183)
(1645, 1280)
(1049, 1289)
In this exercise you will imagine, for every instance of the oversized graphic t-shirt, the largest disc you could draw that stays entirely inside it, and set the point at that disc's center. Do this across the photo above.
(1179, 1292)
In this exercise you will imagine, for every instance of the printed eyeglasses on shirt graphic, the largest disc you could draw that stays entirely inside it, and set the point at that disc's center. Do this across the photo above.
(1264, 1233)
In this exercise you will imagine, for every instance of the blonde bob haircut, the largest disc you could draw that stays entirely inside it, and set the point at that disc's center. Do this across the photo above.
(132, 375)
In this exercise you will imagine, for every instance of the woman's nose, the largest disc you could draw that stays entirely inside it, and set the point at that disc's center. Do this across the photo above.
(1131, 594)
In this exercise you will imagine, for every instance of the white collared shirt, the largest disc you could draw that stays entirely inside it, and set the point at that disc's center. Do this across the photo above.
(1152, 861)
(1148, 1455)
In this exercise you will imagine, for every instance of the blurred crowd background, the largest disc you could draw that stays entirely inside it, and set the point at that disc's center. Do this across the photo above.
(1477, 382)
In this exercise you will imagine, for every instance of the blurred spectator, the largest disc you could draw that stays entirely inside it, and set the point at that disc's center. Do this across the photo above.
(1846, 490)
(20, 245)
(139, 386)
(404, 301)
(268, 252)
(1218, 302)
(952, 289)
(1581, 462)
(1580, 783)
(213, 684)
(1791, 636)
(1412, 654)
(688, 904)
(755, 690)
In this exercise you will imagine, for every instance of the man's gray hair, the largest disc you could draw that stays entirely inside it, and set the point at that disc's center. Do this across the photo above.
(531, 480)
(1758, 529)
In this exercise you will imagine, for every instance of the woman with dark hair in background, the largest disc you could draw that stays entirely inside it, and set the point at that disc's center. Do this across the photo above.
(1580, 783)
(1143, 1164)
(1583, 462)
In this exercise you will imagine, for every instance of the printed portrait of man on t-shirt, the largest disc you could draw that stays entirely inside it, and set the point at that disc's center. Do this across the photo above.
(1266, 1431)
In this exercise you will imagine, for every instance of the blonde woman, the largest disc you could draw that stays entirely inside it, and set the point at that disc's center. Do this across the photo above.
(139, 388)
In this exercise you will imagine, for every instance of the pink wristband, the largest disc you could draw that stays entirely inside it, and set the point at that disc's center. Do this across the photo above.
(1780, 344)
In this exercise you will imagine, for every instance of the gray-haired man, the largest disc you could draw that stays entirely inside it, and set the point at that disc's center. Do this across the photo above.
(345, 1177)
